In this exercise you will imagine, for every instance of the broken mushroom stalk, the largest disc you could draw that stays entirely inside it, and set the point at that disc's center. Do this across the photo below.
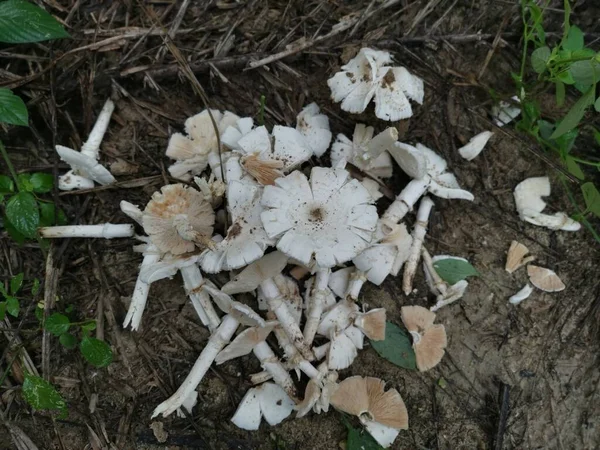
(105, 231)
(418, 235)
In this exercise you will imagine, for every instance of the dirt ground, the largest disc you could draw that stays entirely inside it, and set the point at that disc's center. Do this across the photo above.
(543, 352)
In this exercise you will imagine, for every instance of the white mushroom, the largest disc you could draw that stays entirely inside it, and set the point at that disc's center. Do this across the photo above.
(475, 145)
(418, 234)
(314, 126)
(528, 198)
(105, 231)
(366, 152)
(85, 168)
(524, 293)
(233, 133)
(445, 293)
(268, 401)
(246, 239)
(212, 188)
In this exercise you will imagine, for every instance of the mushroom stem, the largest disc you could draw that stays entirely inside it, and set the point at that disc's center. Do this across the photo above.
(131, 211)
(215, 344)
(357, 280)
(418, 235)
(316, 304)
(406, 200)
(140, 295)
(271, 363)
(106, 231)
(278, 305)
(440, 285)
(381, 143)
(91, 147)
(194, 283)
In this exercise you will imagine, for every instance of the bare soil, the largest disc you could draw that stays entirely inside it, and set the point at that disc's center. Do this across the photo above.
(544, 351)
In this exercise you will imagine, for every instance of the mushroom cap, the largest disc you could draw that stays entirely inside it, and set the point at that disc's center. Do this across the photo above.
(233, 133)
(342, 351)
(475, 145)
(373, 187)
(331, 219)
(85, 166)
(337, 318)
(165, 211)
(416, 318)
(244, 343)
(528, 195)
(544, 279)
(394, 87)
(246, 239)
(523, 294)
(70, 181)
(410, 159)
(429, 350)
(314, 126)
(339, 280)
(517, 257)
(372, 324)
(243, 313)
(260, 270)
(267, 400)
(311, 396)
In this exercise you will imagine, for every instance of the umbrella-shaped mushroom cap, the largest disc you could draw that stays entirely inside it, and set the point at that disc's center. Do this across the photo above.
(517, 257)
(267, 400)
(475, 145)
(372, 324)
(177, 219)
(332, 218)
(85, 165)
(394, 87)
(245, 342)
(544, 279)
(429, 349)
(261, 270)
(417, 318)
(314, 126)
(351, 396)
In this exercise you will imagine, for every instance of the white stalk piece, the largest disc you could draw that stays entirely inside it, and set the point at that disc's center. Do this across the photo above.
(367, 76)
(194, 287)
(253, 340)
(445, 294)
(418, 235)
(105, 231)
(268, 401)
(528, 198)
(316, 304)
(475, 145)
(366, 152)
(215, 344)
(131, 211)
(523, 294)
(85, 168)
(314, 126)
(140, 295)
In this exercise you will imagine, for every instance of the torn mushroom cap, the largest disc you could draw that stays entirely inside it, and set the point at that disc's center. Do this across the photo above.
(331, 218)
(528, 199)
(372, 324)
(343, 347)
(245, 342)
(311, 396)
(261, 270)
(267, 400)
(395, 87)
(242, 313)
(314, 126)
(517, 257)
(178, 219)
(443, 184)
(429, 340)
(524, 293)
(83, 165)
(410, 159)
(544, 279)
(366, 152)
(338, 318)
(246, 239)
(475, 145)
(233, 133)
(382, 413)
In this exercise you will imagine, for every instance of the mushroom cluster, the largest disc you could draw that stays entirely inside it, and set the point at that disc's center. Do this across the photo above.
(269, 219)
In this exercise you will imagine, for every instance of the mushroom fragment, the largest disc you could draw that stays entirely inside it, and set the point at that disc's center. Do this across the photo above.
(105, 231)
(504, 112)
(368, 76)
(85, 168)
(528, 198)
(418, 235)
(517, 257)
(475, 145)
(366, 152)
(445, 294)
(429, 340)
(314, 126)
(523, 294)
(544, 279)
(383, 413)
(267, 400)
(178, 219)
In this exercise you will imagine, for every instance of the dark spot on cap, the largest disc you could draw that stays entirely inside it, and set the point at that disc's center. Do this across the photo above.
(234, 231)
(279, 402)
(388, 80)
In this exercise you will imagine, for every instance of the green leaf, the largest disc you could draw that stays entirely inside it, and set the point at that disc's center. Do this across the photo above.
(539, 59)
(23, 213)
(22, 22)
(67, 340)
(57, 324)
(12, 107)
(575, 114)
(42, 182)
(2, 310)
(42, 395)
(585, 73)
(39, 312)
(560, 93)
(574, 168)
(15, 283)
(89, 326)
(396, 347)
(360, 440)
(574, 39)
(566, 77)
(12, 306)
(96, 352)
(597, 104)
(36, 286)
(12, 232)
(6, 185)
(24, 182)
(453, 270)
(592, 198)
(546, 128)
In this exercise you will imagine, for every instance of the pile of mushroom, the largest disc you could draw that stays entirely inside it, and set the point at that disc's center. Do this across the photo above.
(281, 221)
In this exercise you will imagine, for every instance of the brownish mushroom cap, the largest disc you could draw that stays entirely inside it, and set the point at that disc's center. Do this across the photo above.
(429, 340)
(517, 257)
(372, 324)
(544, 279)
